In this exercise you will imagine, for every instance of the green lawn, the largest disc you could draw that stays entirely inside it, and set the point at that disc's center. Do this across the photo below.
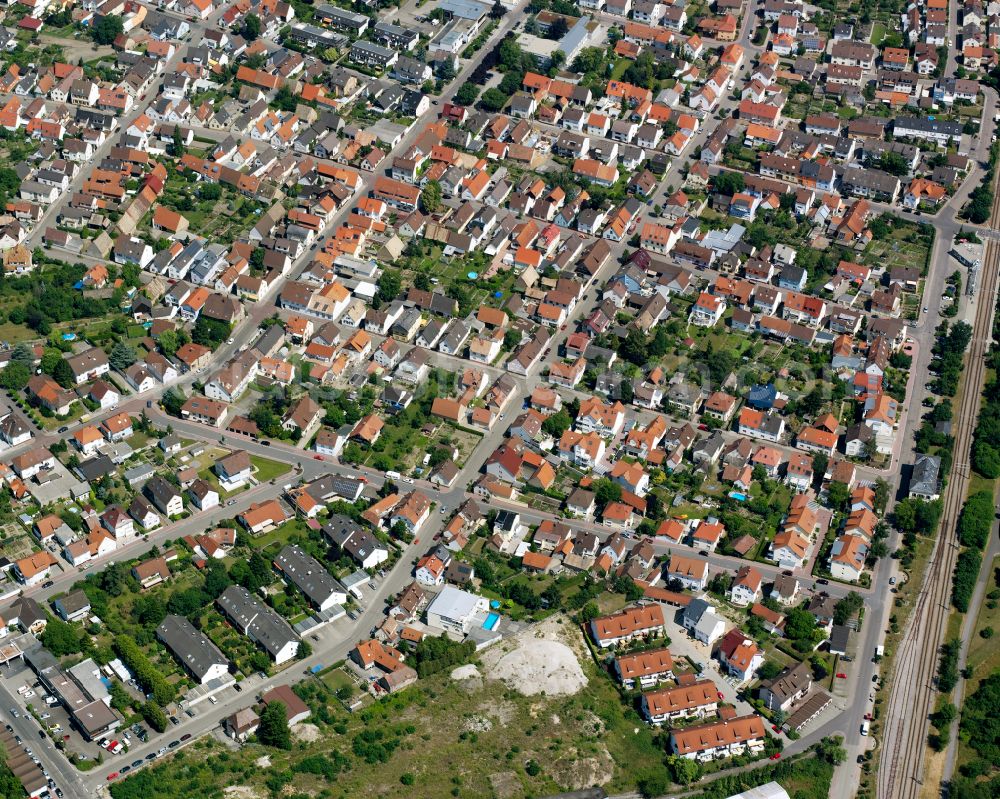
(266, 469)
(619, 68)
(878, 33)
(281, 534)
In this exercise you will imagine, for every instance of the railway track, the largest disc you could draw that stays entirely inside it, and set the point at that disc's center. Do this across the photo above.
(912, 696)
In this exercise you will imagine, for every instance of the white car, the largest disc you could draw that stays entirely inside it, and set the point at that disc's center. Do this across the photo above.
(29, 694)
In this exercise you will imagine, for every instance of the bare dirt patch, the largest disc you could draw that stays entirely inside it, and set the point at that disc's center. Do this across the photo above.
(575, 773)
(465, 672)
(540, 666)
(305, 732)
(478, 724)
(263, 762)
(506, 785)
(242, 792)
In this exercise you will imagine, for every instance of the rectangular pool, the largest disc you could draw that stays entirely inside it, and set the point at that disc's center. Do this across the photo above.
(492, 619)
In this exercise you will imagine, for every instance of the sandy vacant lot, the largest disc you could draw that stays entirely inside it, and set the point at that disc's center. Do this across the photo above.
(305, 732)
(465, 672)
(538, 661)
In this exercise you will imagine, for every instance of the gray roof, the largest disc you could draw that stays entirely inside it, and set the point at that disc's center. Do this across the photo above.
(161, 491)
(695, 610)
(73, 602)
(350, 536)
(927, 125)
(924, 479)
(839, 635)
(308, 575)
(333, 486)
(790, 681)
(190, 646)
(257, 620)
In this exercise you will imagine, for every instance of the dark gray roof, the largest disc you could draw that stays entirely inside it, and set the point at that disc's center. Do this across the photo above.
(96, 468)
(334, 486)
(925, 475)
(190, 646)
(308, 575)
(257, 620)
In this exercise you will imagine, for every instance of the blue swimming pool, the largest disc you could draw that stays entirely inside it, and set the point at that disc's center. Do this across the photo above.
(492, 619)
(738, 496)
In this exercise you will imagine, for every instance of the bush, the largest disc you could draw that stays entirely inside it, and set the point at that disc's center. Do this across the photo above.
(948, 666)
(154, 716)
(964, 579)
(437, 654)
(976, 520)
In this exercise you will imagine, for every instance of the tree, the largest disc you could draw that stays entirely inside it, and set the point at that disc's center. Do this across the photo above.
(154, 716)
(63, 374)
(847, 607)
(210, 332)
(893, 163)
(729, 183)
(217, 579)
(177, 150)
(511, 339)
(251, 27)
(820, 462)
(466, 94)
(107, 29)
(273, 729)
(390, 284)
(498, 10)
(606, 491)
(832, 750)
(837, 495)
(879, 227)
(168, 342)
(556, 424)
(511, 56)
(23, 354)
(800, 628)
(493, 99)
(173, 401)
(15, 377)
(303, 650)
(50, 360)
(210, 191)
(61, 638)
(589, 612)
(558, 29)
(430, 197)
(682, 770)
(122, 356)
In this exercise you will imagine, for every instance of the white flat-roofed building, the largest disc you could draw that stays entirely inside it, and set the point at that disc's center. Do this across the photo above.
(455, 610)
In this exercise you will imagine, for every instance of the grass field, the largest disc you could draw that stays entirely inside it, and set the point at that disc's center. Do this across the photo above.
(266, 469)
(878, 33)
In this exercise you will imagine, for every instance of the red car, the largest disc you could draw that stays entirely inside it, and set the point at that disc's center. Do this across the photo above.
(841, 676)
(113, 775)
(776, 728)
(317, 457)
(776, 756)
(721, 696)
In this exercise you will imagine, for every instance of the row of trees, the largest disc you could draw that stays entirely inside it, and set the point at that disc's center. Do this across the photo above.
(949, 350)
(986, 438)
(146, 674)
